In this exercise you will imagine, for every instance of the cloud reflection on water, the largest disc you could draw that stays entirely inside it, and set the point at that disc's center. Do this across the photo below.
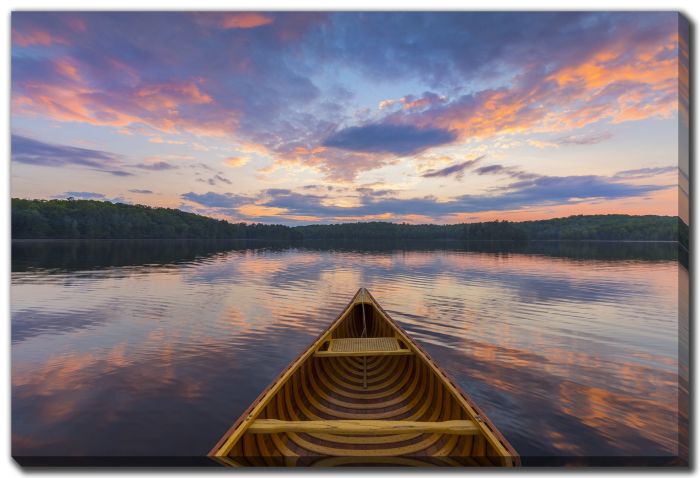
(567, 356)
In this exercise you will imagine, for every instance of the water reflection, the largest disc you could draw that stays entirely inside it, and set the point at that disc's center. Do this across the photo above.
(152, 348)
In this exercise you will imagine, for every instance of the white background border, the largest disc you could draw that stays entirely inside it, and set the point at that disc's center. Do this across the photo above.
(690, 8)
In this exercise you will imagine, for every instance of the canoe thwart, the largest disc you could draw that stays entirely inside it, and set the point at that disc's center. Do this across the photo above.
(363, 427)
(363, 347)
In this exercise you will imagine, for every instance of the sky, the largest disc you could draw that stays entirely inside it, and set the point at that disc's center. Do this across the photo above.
(305, 117)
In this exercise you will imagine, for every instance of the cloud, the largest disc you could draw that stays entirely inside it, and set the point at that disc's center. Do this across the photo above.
(82, 195)
(31, 151)
(202, 166)
(510, 171)
(91, 196)
(214, 180)
(645, 172)
(284, 205)
(458, 170)
(156, 166)
(585, 139)
(36, 37)
(215, 200)
(262, 78)
(244, 20)
(455, 169)
(232, 20)
(542, 144)
(619, 75)
(236, 162)
(428, 99)
(366, 191)
(290, 200)
(494, 168)
(141, 191)
(395, 139)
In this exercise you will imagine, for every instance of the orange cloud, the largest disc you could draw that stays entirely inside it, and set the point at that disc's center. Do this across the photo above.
(244, 20)
(170, 95)
(67, 68)
(309, 151)
(64, 104)
(236, 162)
(542, 144)
(604, 68)
(620, 82)
(159, 140)
(36, 37)
(410, 103)
(254, 210)
(159, 106)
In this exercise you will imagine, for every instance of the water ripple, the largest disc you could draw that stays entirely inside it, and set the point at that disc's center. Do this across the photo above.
(159, 352)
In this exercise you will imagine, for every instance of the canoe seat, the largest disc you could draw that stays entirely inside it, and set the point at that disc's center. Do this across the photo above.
(363, 347)
(363, 427)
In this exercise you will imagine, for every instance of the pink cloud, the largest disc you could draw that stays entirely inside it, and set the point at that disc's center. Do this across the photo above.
(244, 20)
(77, 24)
(36, 36)
(167, 107)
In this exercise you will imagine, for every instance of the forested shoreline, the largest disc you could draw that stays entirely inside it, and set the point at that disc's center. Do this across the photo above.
(87, 219)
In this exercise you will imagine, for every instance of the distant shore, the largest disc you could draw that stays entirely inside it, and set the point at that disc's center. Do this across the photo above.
(34, 219)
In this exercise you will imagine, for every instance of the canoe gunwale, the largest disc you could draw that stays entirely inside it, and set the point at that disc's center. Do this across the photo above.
(225, 444)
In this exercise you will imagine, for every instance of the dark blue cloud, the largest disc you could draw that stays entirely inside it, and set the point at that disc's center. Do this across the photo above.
(294, 201)
(511, 171)
(455, 169)
(389, 138)
(491, 169)
(216, 179)
(458, 170)
(215, 200)
(31, 151)
(375, 192)
(141, 191)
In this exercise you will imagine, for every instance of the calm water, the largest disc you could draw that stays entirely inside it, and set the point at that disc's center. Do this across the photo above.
(155, 348)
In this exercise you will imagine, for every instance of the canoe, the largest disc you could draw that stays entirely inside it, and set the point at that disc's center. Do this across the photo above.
(364, 393)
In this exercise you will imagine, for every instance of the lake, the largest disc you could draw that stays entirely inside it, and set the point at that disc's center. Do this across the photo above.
(154, 348)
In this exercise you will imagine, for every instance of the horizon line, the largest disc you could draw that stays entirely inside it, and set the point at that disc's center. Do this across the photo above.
(343, 223)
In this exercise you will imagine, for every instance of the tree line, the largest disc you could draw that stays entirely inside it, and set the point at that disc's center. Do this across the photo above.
(69, 219)
(87, 219)
(612, 227)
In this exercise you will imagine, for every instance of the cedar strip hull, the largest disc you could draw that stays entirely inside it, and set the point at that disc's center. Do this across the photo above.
(408, 387)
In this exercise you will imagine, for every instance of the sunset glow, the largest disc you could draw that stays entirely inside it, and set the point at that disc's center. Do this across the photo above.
(301, 118)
